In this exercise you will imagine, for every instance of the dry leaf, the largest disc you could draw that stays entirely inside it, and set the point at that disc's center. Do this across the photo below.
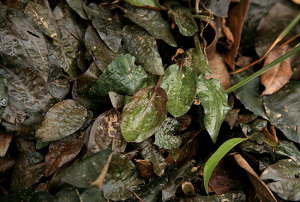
(279, 75)
(5, 139)
(145, 168)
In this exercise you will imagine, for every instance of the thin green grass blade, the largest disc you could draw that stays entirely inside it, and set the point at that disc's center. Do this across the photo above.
(217, 156)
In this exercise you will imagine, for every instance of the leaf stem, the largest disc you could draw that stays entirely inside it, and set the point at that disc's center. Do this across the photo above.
(266, 68)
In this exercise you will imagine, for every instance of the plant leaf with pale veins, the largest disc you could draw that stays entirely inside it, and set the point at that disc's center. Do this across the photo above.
(144, 3)
(181, 87)
(77, 5)
(184, 20)
(196, 59)
(102, 54)
(63, 119)
(106, 130)
(27, 90)
(144, 114)
(121, 76)
(214, 102)
(122, 173)
(85, 172)
(107, 27)
(151, 21)
(282, 108)
(142, 45)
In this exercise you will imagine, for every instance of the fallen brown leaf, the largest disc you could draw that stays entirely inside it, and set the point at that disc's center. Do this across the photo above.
(279, 75)
(145, 168)
(5, 139)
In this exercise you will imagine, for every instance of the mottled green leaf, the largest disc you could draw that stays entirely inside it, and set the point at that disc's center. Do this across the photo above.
(249, 94)
(121, 76)
(122, 173)
(144, 114)
(92, 194)
(86, 171)
(142, 45)
(288, 149)
(196, 59)
(27, 90)
(77, 5)
(184, 20)
(23, 44)
(164, 137)
(106, 130)
(285, 174)
(145, 3)
(151, 21)
(67, 195)
(217, 156)
(63, 119)
(214, 101)
(282, 108)
(107, 27)
(151, 153)
(102, 54)
(181, 87)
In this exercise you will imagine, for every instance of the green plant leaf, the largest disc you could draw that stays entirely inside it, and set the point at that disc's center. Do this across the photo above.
(151, 153)
(181, 87)
(152, 21)
(86, 171)
(214, 101)
(142, 45)
(77, 5)
(196, 59)
(164, 137)
(102, 54)
(121, 76)
(217, 156)
(288, 149)
(122, 173)
(145, 3)
(183, 19)
(107, 27)
(63, 119)
(144, 114)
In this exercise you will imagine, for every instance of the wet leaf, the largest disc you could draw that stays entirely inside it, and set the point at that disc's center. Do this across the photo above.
(237, 196)
(249, 94)
(214, 101)
(145, 168)
(63, 119)
(102, 54)
(142, 45)
(27, 90)
(184, 20)
(164, 137)
(28, 170)
(288, 149)
(217, 156)
(107, 27)
(152, 21)
(92, 194)
(5, 139)
(145, 3)
(121, 76)
(282, 109)
(196, 59)
(63, 151)
(67, 195)
(122, 175)
(180, 86)
(117, 100)
(285, 174)
(151, 153)
(77, 5)
(279, 75)
(106, 130)
(144, 114)
(86, 171)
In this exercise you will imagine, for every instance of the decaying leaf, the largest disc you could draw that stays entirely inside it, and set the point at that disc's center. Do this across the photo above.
(142, 45)
(180, 85)
(288, 149)
(5, 139)
(145, 168)
(144, 114)
(106, 130)
(279, 75)
(77, 5)
(61, 120)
